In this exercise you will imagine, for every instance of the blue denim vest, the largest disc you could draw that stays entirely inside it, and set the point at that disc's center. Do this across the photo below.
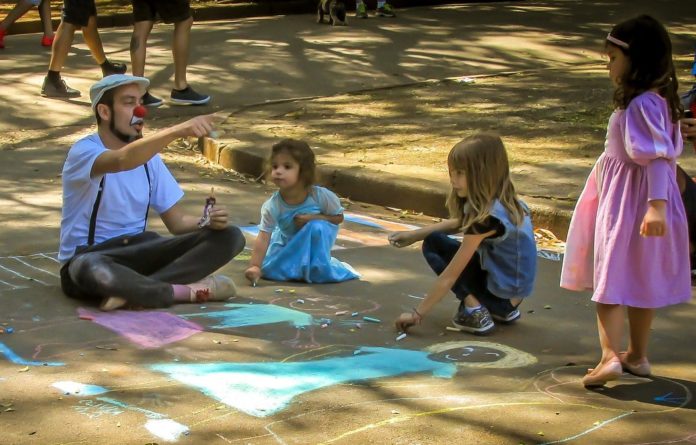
(510, 259)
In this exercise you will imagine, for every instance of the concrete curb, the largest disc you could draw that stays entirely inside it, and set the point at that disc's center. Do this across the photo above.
(235, 11)
(375, 187)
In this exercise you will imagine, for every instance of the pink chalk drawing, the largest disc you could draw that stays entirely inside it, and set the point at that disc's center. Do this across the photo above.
(147, 329)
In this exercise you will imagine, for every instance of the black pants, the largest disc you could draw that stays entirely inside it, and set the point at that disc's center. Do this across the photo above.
(141, 268)
(439, 249)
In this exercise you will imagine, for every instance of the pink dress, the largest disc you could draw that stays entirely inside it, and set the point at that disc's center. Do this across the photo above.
(605, 251)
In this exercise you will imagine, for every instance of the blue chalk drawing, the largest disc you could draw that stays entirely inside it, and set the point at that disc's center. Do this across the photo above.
(263, 389)
(79, 389)
(377, 223)
(351, 217)
(149, 414)
(669, 398)
(251, 230)
(14, 358)
(243, 315)
(549, 255)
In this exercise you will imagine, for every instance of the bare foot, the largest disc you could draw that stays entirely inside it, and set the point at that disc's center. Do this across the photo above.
(641, 368)
(603, 373)
(112, 303)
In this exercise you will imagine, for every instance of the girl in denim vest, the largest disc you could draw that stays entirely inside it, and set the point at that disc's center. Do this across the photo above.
(493, 268)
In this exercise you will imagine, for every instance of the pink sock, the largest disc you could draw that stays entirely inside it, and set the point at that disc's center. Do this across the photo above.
(181, 292)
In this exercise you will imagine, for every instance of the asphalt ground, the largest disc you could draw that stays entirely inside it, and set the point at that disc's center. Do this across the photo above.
(261, 369)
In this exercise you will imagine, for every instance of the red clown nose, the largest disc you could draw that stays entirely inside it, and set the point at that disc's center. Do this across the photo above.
(140, 111)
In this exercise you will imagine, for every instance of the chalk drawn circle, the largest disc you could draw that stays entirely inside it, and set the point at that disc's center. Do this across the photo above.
(327, 306)
(480, 354)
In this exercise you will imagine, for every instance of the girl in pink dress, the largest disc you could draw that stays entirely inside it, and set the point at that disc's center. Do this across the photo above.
(628, 239)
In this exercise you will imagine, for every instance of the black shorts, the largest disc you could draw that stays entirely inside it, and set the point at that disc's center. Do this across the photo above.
(78, 12)
(170, 11)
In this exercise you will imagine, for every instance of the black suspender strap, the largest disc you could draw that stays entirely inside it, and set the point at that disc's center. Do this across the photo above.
(149, 194)
(95, 208)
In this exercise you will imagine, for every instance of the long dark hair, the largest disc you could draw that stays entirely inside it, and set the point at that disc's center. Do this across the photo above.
(651, 66)
(302, 154)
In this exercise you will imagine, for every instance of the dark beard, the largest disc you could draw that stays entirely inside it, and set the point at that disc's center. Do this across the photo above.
(120, 135)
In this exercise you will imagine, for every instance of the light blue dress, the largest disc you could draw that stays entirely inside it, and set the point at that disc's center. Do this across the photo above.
(303, 255)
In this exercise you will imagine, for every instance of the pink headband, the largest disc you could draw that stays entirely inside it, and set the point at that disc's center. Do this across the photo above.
(617, 42)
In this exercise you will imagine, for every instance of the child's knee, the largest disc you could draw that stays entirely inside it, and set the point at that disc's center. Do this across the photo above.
(229, 240)
(432, 240)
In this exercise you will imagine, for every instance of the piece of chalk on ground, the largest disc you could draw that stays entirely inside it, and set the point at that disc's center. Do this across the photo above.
(401, 336)
(374, 320)
(341, 312)
(450, 328)
(354, 314)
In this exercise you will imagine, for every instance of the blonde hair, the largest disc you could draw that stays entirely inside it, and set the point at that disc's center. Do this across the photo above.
(483, 161)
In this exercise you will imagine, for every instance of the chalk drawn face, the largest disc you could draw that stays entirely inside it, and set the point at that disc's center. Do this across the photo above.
(326, 306)
(469, 354)
(479, 354)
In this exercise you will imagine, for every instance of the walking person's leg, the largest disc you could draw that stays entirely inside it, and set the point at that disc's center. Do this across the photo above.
(138, 46)
(180, 51)
(46, 23)
(54, 85)
(15, 13)
(610, 320)
(96, 48)
(182, 93)
(635, 359)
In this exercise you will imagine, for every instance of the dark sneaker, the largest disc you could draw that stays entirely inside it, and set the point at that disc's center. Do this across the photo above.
(151, 101)
(49, 89)
(477, 322)
(508, 318)
(386, 11)
(188, 96)
(109, 68)
(361, 11)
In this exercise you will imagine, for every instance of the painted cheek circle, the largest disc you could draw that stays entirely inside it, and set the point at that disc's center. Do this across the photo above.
(140, 111)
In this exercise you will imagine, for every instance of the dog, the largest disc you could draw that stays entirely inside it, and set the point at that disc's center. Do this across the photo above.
(335, 10)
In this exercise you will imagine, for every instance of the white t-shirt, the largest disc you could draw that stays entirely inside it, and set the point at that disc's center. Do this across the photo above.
(124, 198)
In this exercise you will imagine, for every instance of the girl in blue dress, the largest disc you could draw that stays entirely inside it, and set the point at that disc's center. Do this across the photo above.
(299, 223)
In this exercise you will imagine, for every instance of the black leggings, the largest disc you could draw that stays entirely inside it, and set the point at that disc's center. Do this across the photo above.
(141, 268)
(439, 249)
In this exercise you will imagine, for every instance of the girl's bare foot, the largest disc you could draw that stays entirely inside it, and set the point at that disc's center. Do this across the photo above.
(640, 368)
(603, 373)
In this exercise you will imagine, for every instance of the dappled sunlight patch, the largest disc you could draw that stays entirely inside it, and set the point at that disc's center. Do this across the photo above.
(258, 43)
